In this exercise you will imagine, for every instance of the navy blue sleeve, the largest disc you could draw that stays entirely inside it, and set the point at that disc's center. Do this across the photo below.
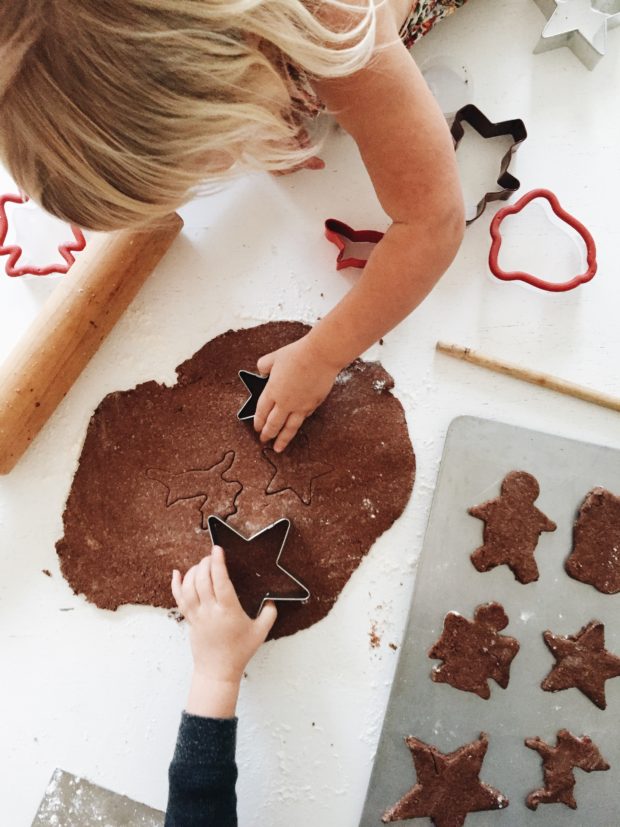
(203, 774)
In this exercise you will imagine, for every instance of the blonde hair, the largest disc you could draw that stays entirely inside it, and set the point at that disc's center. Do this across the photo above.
(113, 112)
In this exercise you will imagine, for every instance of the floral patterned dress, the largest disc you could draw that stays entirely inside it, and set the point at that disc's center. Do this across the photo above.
(424, 15)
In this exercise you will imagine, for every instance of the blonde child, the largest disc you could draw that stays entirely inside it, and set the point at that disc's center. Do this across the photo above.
(114, 112)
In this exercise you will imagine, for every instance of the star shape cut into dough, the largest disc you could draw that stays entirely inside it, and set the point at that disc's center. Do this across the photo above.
(512, 528)
(294, 469)
(255, 383)
(254, 564)
(474, 652)
(448, 786)
(582, 662)
(216, 493)
(559, 762)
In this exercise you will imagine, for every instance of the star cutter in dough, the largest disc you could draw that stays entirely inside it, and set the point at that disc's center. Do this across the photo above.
(514, 128)
(255, 383)
(337, 231)
(528, 278)
(217, 531)
(14, 251)
(581, 25)
(437, 774)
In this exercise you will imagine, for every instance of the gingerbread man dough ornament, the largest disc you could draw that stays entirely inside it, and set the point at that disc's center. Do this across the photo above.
(512, 528)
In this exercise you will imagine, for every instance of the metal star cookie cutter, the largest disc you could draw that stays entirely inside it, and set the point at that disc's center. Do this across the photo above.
(255, 383)
(14, 251)
(581, 25)
(514, 128)
(528, 278)
(336, 231)
(215, 526)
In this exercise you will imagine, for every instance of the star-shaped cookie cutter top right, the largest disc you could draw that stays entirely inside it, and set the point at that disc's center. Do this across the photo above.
(581, 25)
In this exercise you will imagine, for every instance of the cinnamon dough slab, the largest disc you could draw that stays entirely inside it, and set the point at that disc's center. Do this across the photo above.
(595, 558)
(473, 651)
(512, 527)
(559, 762)
(156, 462)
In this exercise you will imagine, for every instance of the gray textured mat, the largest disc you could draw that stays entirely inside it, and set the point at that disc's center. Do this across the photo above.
(477, 455)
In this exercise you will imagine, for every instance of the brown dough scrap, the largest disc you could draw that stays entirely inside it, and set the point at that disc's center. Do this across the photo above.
(295, 469)
(447, 785)
(474, 652)
(559, 762)
(121, 538)
(595, 558)
(582, 662)
(513, 526)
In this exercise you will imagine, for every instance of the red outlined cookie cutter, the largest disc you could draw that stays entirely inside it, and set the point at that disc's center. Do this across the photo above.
(336, 231)
(528, 278)
(14, 251)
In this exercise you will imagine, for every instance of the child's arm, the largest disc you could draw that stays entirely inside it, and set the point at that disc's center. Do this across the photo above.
(223, 638)
(408, 151)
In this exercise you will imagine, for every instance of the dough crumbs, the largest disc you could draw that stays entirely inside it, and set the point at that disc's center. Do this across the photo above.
(46, 572)
(512, 528)
(582, 662)
(474, 652)
(158, 460)
(375, 639)
(447, 786)
(595, 558)
(559, 762)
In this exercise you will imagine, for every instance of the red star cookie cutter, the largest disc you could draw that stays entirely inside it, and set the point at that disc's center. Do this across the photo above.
(14, 251)
(337, 231)
(528, 278)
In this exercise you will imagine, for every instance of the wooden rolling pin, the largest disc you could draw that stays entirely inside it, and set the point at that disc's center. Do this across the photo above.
(71, 325)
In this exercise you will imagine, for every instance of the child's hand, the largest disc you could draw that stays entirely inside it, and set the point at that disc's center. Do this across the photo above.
(223, 637)
(299, 380)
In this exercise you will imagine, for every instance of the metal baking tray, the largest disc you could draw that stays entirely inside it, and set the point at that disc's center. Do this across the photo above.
(477, 455)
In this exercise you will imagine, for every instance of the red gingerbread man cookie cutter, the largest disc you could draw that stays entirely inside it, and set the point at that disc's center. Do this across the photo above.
(528, 278)
(14, 251)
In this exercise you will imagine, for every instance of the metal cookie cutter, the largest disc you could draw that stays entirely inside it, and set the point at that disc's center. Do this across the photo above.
(255, 383)
(514, 128)
(552, 287)
(336, 231)
(579, 24)
(225, 536)
(15, 252)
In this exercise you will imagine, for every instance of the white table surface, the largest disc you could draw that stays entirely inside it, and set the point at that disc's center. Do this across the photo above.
(99, 693)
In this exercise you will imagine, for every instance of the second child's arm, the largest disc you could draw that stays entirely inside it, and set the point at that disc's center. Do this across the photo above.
(408, 151)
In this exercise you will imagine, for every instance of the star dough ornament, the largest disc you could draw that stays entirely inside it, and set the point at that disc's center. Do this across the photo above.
(295, 470)
(255, 383)
(121, 538)
(595, 558)
(447, 785)
(254, 564)
(217, 495)
(512, 528)
(569, 753)
(474, 652)
(582, 662)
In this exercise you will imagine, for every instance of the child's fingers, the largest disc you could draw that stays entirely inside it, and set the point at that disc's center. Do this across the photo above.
(190, 595)
(274, 423)
(177, 591)
(266, 619)
(292, 425)
(265, 363)
(204, 586)
(222, 585)
(263, 409)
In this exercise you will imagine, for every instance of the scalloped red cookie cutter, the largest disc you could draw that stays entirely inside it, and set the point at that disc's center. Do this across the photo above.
(15, 252)
(336, 231)
(528, 278)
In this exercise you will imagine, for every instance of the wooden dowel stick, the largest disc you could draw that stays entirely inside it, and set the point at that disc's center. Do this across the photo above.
(70, 327)
(543, 380)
